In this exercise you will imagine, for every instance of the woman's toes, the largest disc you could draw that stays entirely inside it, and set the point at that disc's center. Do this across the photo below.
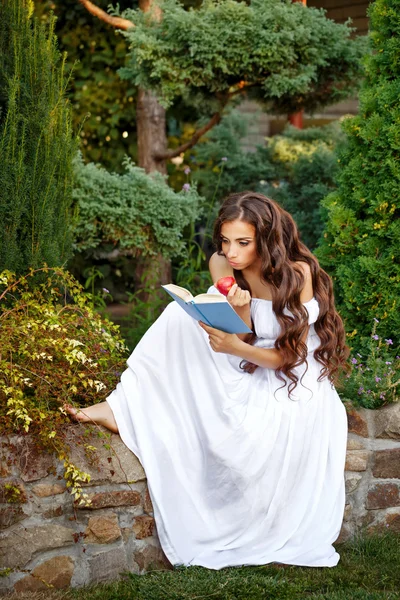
(76, 413)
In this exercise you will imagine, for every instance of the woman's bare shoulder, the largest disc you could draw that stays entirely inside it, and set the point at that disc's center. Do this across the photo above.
(219, 267)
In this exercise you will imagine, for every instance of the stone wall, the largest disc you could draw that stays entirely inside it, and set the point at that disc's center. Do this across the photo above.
(372, 471)
(47, 540)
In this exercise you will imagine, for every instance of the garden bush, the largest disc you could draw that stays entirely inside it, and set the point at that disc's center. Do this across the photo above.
(291, 57)
(135, 213)
(37, 144)
(360, 247)
(296, 168)
(55, 349)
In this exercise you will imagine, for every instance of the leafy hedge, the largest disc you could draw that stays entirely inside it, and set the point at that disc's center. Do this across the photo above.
(290, 56)
(54, 349)
(136, 212)
(361, 247)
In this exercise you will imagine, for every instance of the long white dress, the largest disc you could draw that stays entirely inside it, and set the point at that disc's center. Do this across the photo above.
(238, 473)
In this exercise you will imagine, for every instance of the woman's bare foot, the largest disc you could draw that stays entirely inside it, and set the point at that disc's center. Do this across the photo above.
(100, 414)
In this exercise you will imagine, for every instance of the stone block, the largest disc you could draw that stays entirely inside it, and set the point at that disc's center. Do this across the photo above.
(387, 464)
(355, 444)
(18, 546)
(393, 522)
(151, 558)
(56, 573)
(102, 530)
(53, 512)
(10, 515)
(33, 461)
(357, 422)
(107, 565)
(346, 533)
(383, 495)
(43, 490)
(12, 492)
(119, 465)
(147, 504)
(143, 527)
(348, 511)
(356, 460)
(351, 482)
(387, 422)
(113, 499)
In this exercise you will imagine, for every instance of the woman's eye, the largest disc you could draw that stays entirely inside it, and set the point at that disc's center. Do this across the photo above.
(244, 243)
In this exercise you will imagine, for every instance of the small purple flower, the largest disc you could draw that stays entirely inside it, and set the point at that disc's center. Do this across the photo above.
(389, 342)
(388, 362)
(360, 390)
(398, 357)
(375, 337)
(382, 396)
(117, 373)
(376, 320)
(368, 391)
(186, 187)
(187, 170)
(378, 379)
(224, 159)
(359, 355)
(354, 361)
(105, 290)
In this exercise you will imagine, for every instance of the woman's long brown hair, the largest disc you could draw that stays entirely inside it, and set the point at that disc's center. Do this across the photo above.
(280, 248)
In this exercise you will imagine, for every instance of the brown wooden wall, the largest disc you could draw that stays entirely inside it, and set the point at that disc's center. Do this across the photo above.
(341, 10)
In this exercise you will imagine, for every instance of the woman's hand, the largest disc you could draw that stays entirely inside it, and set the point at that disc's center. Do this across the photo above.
(238, 297)
(227, 343)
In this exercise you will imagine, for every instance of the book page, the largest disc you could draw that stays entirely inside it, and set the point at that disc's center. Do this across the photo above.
(209, 298)
(179, 291)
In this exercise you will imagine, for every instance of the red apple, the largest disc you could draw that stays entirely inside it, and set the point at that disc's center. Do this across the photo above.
(224, 284)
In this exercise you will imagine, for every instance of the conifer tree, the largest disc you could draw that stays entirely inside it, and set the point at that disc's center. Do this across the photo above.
(361, 247)
(36, 143)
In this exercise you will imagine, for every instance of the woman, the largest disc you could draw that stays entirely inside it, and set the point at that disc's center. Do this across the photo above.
(242, 438)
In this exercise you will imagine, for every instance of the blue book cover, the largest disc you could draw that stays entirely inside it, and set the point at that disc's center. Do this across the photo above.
(212, 309)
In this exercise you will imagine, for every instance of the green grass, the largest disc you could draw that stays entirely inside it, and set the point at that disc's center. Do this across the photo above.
(369, 569)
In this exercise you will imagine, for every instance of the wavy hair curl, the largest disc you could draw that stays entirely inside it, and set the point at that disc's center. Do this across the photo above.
(279, 247)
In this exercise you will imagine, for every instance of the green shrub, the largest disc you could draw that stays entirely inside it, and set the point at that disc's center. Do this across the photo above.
(305, 165)
(288, 55)
(135, 213)
(360, 248)
(296, 168)
(36, 143)
(54, 349)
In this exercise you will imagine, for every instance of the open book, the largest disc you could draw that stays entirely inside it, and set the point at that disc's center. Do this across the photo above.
(212, 309)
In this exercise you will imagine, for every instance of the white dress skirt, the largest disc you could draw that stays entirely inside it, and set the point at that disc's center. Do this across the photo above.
(238, 473)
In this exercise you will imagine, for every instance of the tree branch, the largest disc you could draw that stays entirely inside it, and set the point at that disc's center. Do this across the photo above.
(117, 22)
(215, 119)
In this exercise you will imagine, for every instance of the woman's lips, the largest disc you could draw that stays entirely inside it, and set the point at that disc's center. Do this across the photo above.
(234, 264)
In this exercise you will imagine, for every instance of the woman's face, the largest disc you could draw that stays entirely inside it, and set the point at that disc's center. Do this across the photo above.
(239, 244)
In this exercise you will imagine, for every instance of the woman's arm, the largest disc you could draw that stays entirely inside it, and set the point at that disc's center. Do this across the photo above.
(229, 343)
(239, 299)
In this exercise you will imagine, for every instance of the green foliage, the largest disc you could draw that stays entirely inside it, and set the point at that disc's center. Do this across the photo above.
(305, 166)
(361, 245)
(54, 349)
(103, 104)
(135, 213)
(296, 168)
(290, 56)
(375, 377)
(36, 143)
